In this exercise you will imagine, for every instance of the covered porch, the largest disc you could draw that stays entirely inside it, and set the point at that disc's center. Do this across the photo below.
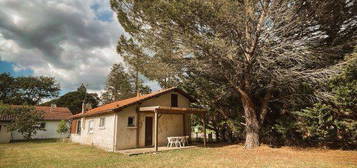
(158, 112)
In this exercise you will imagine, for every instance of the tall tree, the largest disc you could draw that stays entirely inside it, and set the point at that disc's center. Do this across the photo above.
(333, 121)
(62, 128)
(122, 84)
(73, 100)
(24, 119)
(118, 85)
(261, 49)
(26, 90)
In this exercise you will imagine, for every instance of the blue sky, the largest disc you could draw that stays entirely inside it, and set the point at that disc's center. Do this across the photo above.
(8, 67)
(73, 41)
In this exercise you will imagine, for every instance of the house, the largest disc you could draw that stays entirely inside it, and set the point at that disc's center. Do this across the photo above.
(52, 116)
(140, 121)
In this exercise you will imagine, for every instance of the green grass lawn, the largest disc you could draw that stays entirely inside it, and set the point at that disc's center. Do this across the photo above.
(57, 154)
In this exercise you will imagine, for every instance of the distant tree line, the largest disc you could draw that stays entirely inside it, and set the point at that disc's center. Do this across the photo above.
(73, 100)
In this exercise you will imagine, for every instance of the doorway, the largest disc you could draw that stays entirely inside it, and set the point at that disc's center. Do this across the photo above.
(148, 131)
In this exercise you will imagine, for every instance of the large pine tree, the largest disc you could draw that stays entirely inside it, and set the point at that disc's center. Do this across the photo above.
(260, 49)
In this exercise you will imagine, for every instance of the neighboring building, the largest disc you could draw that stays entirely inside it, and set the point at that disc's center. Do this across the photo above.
(136, 122)
(52, 116)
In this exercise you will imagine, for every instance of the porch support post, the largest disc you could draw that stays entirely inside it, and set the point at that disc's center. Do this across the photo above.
(156, 131)
(204, 129)
(137, 125)
(184, 124)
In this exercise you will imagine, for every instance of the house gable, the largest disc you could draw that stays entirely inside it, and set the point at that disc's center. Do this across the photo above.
(165, 100)
(119, 105)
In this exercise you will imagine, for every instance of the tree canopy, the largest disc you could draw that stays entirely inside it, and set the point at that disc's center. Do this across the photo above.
(62, 127)
(333, 121)
(24, 119)
(264, 52)
(26, 90)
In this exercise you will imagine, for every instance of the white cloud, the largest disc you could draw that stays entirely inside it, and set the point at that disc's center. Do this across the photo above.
(71, 40)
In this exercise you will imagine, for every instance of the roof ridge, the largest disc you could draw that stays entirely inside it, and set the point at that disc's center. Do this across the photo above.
(122, 103)
(155, 92)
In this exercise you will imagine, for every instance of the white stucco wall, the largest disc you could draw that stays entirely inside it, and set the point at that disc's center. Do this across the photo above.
(5, 136)
(169, 124)
(100, 137)
(126, 136)
(51, 132)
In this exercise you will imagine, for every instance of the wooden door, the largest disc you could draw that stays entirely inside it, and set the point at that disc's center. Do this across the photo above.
(148, 131)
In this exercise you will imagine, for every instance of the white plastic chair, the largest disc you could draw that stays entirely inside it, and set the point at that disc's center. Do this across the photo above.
(177, 142)
(170, 141)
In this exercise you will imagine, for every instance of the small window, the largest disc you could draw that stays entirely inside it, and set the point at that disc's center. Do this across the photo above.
(79, 127)
(43, 125)
(101, 122)
(174, 101)
(91, 126)
(131, 121)
(0, 128)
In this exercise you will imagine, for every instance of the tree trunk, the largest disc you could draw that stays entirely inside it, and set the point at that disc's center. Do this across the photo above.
(251, 138)
(252, 124)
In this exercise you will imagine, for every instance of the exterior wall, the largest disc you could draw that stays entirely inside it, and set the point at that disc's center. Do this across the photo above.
(51, 132)
(165, 100)
(5, 136)
(100, 137)
(169, 124)
(126, 136)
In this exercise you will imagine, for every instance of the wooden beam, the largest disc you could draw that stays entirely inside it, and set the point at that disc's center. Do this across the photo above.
(173, 110)
(204, 130)
(150, 108)
(156, 132)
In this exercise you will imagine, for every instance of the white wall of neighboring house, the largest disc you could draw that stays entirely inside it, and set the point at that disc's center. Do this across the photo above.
(102, 137)
(5, 136)
(51, 132)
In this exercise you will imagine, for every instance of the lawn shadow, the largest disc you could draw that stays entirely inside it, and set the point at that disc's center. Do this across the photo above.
(215, 144)
(52, 140)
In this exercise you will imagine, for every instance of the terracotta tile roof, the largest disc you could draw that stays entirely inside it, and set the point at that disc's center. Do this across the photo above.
(117, 105)
(50, 113)
(56, 113)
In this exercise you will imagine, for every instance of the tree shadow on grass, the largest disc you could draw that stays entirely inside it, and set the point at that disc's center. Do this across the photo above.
(37, 141)
(216, 144)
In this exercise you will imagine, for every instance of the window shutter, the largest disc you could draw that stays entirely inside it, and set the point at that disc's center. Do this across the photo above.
(174, 100)
(74, 126)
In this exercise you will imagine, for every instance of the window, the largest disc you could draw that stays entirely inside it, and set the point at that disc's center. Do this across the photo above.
(174, 102)
(131, 122)
(42, 125)
(79, 127)
(91, 126)
(101, 122)
(0, 128)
